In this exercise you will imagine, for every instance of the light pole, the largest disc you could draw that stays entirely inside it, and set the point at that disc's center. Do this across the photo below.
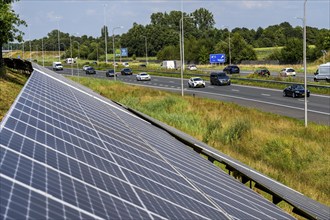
(58, 38)
(105, 30)
(182, 49)
(145, 38)
(78, 56)
(42, 48)
(71, 58)
(305, 65)
(229, 45)
(113, 48)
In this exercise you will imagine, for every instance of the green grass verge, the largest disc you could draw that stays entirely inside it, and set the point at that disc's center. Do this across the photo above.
(278, 146)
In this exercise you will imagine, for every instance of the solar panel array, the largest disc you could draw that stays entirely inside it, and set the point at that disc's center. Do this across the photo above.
(66, 152)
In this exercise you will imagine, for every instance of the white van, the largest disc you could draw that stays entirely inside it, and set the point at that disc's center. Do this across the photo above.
(57, 66)
(70, 60)
(323, 72)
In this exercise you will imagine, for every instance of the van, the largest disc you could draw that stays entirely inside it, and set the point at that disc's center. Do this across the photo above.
(171, 64)
(70, 60)
(219, 78)
(322, 73)
(57, 66)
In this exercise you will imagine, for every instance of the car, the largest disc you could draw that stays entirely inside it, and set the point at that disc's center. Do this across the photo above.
(288, 72)
(195, 82)
(85, 67)
(126, 71)
(192, 67)
(110, 73)
(143, 65)
(219, 78)
(143, 76)
(295, 90)
(230, 69)
(125, 64)
(90, 70)
(262, 71)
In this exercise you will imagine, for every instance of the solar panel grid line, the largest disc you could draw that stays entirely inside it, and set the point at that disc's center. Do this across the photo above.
(110, 153)
(47, 195)
(188, 181)
(90, 95)
(70, 177)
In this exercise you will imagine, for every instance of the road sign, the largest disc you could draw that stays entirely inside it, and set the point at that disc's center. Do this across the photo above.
(217, 58)
(124, 52)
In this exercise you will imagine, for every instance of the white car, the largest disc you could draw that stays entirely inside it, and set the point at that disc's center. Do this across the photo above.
(192, 67)
(288, 72)
(143, 76)
(125, 64)
(196, 82)
(85, 67)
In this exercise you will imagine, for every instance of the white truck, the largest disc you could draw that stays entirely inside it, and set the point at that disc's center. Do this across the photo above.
(70, 60)
(171, 64)
(57, 66)
(323, 72)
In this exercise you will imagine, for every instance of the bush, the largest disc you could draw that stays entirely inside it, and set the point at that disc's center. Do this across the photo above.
(236, 131)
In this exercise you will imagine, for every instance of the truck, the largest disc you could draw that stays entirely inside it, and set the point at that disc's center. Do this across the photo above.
(322, 73)
(171, 64)
(57, 66)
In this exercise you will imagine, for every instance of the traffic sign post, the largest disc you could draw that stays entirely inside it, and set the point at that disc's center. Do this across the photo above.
(217, 58)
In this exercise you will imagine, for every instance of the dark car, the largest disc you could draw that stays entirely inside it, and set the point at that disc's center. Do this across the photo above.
(143, 65)
(90, 70)
(262, 71)
(110, 73)
(219, 78)
(126, 71)
(295, 90)
(230, 69)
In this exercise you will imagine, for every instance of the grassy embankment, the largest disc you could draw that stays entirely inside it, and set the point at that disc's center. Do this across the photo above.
(278, 146)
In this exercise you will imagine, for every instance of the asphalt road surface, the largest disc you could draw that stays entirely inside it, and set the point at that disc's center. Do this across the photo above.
(268, 100)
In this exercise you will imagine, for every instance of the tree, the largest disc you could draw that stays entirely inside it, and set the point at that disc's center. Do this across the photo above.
(203, 19)
(9, 22)
(292, 52)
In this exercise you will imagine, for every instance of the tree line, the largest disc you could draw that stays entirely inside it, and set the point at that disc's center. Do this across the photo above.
(201, 38)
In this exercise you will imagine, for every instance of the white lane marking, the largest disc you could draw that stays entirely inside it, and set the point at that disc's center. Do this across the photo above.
(302, 100)
(211, 87)
(265, 94)
(235, 90)
(171, 81)
(246, 99)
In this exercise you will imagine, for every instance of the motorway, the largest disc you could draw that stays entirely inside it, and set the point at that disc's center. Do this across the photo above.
(265, 99)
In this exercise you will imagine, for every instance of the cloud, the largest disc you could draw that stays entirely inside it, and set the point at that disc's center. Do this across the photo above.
(255, 4)
(53, 17)
(90, 12)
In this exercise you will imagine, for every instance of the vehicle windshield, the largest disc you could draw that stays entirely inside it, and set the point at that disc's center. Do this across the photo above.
(290, 70)
(300, 87)
(143, 74)
(197, 79)
(222, 74)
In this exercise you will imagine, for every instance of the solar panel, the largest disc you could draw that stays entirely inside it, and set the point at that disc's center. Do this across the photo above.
(67, 152)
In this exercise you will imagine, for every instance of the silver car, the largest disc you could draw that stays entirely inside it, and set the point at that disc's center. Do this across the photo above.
(288, 72)
(143, 76)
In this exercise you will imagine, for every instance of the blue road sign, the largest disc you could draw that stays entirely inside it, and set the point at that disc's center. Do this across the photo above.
(217, 58)
(124, 52)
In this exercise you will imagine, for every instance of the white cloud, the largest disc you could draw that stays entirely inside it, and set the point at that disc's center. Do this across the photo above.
(53, 17)
(255, 4)
(90, 12)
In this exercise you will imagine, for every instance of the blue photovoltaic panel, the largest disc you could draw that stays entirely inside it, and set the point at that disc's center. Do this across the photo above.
(67, 152)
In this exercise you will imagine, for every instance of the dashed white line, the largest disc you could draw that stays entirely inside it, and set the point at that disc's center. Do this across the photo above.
(265, 94)
(235, 90)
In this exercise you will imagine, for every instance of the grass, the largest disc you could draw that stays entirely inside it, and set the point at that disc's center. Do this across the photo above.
(282, 148)
(10, 86)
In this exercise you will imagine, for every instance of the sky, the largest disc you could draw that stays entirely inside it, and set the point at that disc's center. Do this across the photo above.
(86, 17)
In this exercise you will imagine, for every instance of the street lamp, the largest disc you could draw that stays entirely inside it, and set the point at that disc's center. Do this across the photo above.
(105, 30)
(182, 49)
(78, 55)
(229, 45)
(113, 48)
(58, 38)
(304, 60)
(42, 48)
(146, 49)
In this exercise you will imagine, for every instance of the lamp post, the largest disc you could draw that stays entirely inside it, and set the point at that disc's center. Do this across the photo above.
(78, 56)
(305, 65)
(145, 38)
(71, 56)
(113, 48)
(105, 35)
(42, 48)
(58, 38)
(182, 49)
(229, 48)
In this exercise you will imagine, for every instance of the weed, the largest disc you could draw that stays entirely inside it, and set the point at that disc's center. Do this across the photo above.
(236, 131)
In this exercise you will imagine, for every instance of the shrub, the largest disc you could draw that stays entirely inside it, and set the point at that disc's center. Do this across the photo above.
(236, 131)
